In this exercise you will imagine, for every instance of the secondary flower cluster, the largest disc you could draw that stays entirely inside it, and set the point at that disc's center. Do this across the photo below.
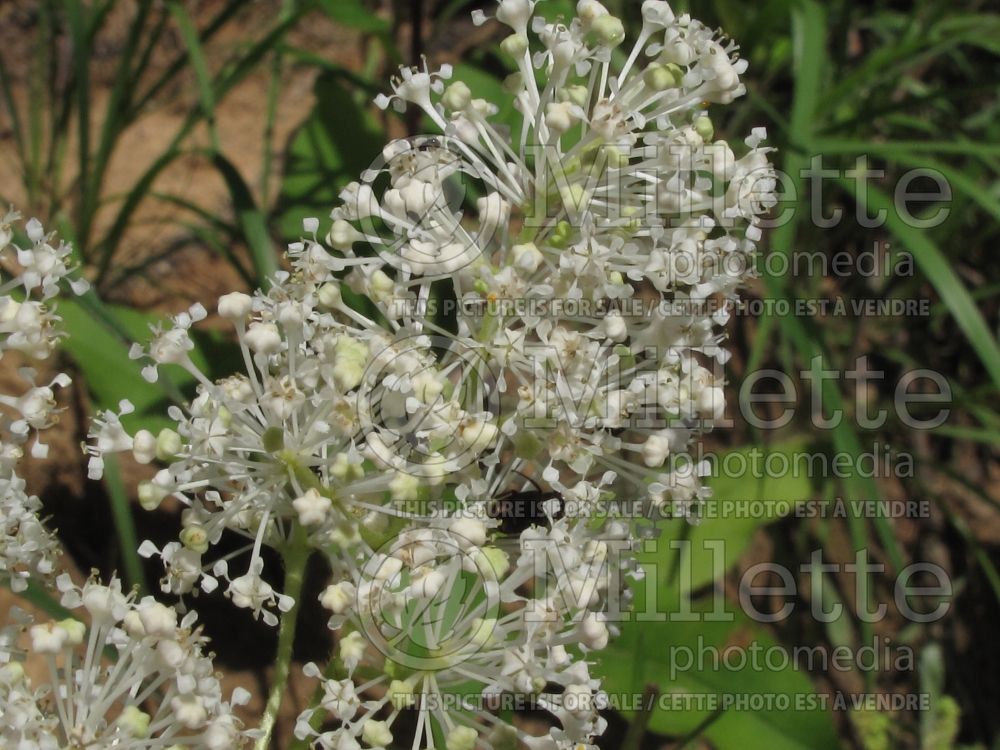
(453, 621)
(29, 329)
(160, 688)
(159, 691)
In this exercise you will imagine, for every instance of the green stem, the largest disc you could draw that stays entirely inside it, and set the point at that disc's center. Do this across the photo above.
(334, 671)
(637, 728)
(296, 554)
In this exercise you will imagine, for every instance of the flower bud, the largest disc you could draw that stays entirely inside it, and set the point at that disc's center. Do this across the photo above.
(376, 734)
(338, 597)
(312, 507)
(461, 738)
(144, 446)
(74, 629)
(515, 45)
(609, 30)
(150, 495)
(559, 116)
(468, 532)
(168, 445)
(329, 295)
(235, 305)
(134, 722)
(342, 235)
(526, 256)
(703, 127)
(655, 450)
(660, 76)
(401, 694)
(195, 538)
(456, 97)
(263, 338)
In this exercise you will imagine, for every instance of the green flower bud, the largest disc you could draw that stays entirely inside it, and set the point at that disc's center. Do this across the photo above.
(273, 439)
(329, 294)
(513, 83)
(150, 495)
(576, 94)
(74, 629)
(703, 127)
(515, 45)
(660, 77)
(168, 445)
(608, 30)
(195, 538)
(456, 97)
(134, 721)
(561, 235)
(461, 738)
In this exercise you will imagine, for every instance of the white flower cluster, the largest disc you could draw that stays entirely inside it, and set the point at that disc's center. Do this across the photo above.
(159, 690)
(29, 328)
(309, 436)
(462, 409)
(581, 294)
(86, 701)
(458, 624)
(590, 286)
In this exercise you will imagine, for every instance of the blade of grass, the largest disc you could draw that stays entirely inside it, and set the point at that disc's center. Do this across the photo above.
(206, 94)
(39, 64)
(38, 596)
(251, 220)
(273, 87)
(177, 65)
(895, 148)
(116, 117)
(121, 512)
(101, 314)
(891, 61)
(224, 83)
(77, 20)
(15, 116)
(980, 555)
(938, 271)
(215, 232)
(958, 432)
(809, 37)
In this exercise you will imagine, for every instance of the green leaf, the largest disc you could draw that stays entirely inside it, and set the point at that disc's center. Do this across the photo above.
(353, 14)
(809, 35)
(101, 353)
(338, 141)
(126, 536)
(938, 271)
(250, 218)
(206, 94)
(667, 654)
(742, 502)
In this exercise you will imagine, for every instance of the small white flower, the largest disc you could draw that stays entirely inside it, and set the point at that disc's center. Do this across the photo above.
(312, 507)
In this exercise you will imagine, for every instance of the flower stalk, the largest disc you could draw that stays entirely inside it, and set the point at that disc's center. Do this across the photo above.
(295, 555)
